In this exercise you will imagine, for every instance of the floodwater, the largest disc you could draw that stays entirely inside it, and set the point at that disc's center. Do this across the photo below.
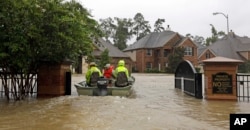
(155, 105)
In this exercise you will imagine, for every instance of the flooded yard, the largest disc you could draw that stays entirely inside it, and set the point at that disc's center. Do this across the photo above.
(154, 105)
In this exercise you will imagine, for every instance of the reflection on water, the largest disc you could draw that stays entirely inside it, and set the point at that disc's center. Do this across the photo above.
(155, 105)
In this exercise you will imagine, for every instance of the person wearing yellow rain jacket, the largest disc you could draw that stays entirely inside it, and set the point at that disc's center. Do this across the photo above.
(121, 78)
(121, 68)
(91, 70)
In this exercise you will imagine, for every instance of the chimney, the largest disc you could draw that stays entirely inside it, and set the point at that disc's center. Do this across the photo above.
(168, 28)
(231, 34)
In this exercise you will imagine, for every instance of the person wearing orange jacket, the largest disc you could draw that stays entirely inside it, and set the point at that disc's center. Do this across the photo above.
(108, 72)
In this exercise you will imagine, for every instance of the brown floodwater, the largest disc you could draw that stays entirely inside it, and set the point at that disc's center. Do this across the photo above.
(154, 105)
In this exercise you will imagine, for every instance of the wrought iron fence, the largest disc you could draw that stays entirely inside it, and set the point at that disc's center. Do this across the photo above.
(243, 87)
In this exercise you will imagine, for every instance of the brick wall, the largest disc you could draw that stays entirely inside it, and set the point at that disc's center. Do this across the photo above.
(140, 60)
(193, 59)
(213, 68)
(51, 80)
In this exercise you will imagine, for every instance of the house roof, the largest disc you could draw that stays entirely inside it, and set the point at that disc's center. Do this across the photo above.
(152, 40)
(113, 51)
(230, 46)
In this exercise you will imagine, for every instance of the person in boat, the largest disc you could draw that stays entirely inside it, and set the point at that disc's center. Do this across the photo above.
(108, 72)
(92, 74)
(121, 74)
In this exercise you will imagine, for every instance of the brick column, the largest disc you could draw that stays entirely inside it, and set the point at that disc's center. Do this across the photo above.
(51, 80)
(220, 78)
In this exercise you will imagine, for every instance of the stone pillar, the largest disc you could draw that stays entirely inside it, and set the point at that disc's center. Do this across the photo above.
(51, 80)
(220, 78)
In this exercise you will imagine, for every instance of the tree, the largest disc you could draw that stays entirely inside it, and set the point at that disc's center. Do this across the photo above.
(159, 25)
(245, 67)
(141, 27)
(215, 36)
(105, 59)
(108, 27)
(117, 29)
(197, 39)
(122, 33)
(34, 31)
(174, 59)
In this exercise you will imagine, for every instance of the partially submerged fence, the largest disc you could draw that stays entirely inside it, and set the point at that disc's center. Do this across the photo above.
(14, 86)
(243, 87)
(190, 82)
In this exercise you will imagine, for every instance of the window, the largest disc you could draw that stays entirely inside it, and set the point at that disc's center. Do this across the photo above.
(148, 65)
(188, 51)
(166, 52)
(207, 55)
(149, 52)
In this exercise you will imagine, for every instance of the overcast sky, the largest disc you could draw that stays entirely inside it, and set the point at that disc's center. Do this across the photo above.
(183, 16)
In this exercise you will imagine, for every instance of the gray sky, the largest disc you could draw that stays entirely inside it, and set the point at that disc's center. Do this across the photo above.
(183, 16)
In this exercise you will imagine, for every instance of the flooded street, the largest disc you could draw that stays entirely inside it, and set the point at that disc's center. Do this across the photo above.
(155, 105)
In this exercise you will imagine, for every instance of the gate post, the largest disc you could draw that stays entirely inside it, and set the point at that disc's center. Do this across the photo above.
(220, 75)
(198, 85)
(68, 83)
(51, 79)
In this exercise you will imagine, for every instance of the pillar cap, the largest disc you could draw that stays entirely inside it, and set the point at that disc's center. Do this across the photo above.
(220, 59)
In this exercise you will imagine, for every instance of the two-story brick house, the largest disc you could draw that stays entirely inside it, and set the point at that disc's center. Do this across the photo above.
(152, 51)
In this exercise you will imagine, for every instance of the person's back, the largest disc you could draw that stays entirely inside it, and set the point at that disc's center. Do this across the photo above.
(92, 73)
(121, 74)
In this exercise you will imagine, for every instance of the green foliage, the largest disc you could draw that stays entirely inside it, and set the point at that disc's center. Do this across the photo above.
(197, 69)
(174, 59)
(141, 27)
(197, 39)
(244, 68)
(159, 25)
(34, 31)
(43, 30)
(122, 33)
(152, 71)
(120, 30)
(215, 36)
(105, 59)
(108, 28)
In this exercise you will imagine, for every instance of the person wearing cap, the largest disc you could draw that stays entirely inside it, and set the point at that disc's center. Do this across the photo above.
(92, 69)
(108, 71)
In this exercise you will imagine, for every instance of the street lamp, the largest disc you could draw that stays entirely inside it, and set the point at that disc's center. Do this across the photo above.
(226, 16)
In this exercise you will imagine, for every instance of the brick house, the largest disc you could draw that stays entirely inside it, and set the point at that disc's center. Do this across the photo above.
(152, 51)
(230, 46)
(114, 53)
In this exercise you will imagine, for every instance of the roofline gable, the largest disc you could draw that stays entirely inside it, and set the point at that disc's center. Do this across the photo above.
(173, 35)
(207, 49)
(185, 39)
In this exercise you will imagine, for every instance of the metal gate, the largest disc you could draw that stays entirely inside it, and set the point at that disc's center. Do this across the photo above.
(243, 87)
(188, 80)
